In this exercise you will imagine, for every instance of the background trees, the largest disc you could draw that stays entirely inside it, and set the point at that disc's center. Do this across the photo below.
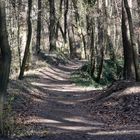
(95, 30)
(104, 32)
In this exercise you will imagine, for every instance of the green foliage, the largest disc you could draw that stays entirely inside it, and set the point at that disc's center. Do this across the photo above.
(62, 55)
(90, 2)
(112, 71)
(83, 79)
(8, 118)
(85, 68)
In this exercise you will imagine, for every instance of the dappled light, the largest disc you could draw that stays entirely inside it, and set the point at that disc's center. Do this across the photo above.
(69, 70)
(56, 105)
(118, 132)
(41, 120)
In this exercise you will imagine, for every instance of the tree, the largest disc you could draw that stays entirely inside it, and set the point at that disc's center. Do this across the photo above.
(38, 36)
(29, 36)
(129, 72)
(5, 61)
(52, 26)
(133, 72)
(101, 41)
(66, 8)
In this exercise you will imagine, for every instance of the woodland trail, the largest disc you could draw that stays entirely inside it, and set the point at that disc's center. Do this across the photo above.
(55, 112)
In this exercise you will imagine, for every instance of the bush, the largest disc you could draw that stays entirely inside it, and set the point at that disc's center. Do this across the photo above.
(112, 71)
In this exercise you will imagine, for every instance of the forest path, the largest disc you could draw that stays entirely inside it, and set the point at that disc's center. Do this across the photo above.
(55, 112)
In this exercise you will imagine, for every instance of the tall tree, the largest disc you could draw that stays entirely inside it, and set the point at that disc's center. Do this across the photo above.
(129, 72)
(132, 40)
(66, 8)
(5, 61)
(101, 40)
(38, 36)
(28, 42)
(52, 26)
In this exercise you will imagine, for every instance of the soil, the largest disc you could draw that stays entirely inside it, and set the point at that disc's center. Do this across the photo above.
(50, 107)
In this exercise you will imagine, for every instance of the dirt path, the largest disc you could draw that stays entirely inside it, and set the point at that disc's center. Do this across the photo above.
(55, 112)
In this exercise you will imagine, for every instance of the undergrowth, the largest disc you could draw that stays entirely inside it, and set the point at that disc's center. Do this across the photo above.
(8, 118)
(112, 71)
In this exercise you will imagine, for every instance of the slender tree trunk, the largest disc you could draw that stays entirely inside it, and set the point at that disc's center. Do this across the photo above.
(52, 26)
(84, 44)
(5, 61)
(138, 3)
(38, 36)
(100, 58)
(71, 42)
(29, 36)
(92, 55)
(77, 17)
(66, 8)
(58, 25)
(18, 31)
(102, 37)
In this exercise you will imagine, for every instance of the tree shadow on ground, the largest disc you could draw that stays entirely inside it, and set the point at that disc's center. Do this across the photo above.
(54, 109)
(82, 136)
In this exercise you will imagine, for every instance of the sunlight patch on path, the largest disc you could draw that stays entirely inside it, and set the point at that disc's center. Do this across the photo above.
(68, 88)
(67, 102)
(41, 120)
(55, 105)
(63, 87)
(121, 132)
(83, 120)
(78, 128)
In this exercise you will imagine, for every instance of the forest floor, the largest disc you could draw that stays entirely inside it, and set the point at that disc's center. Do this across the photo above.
(49, 106)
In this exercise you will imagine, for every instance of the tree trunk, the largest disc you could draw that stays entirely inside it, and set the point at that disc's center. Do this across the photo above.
(129, 72)
(18, 31)
(29, 36)
(100, 56)
(92, 55)
(71, 42)
(52, 26)
(5, 61)
(38, 36)
(133, 44)
(66, 8)
(58, 25)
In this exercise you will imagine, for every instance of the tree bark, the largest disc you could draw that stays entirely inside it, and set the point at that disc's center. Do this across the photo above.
(38, 36)
(92, 53)
(133, 44)
(101, 43)
(129, 72)
(29, 36)
(52, 26)
(66, 8)
(5, 61)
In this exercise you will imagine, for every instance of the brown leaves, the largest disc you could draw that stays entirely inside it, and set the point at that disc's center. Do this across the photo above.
(122, 108)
